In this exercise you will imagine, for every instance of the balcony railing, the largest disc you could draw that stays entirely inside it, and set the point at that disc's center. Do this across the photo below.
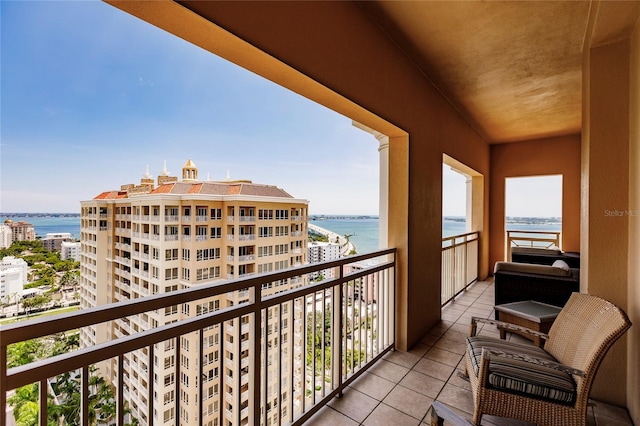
(459, 264)
(535, 239)
(306, 344)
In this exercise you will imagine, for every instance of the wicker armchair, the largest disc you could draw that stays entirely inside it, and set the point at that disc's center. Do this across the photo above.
(547, 386)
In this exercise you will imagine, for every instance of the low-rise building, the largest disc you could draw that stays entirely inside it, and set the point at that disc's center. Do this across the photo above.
(53, 241)
(5, 236)
(70, 250)
(321, 252)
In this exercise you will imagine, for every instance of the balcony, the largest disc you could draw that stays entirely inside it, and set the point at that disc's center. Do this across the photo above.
(400, 388)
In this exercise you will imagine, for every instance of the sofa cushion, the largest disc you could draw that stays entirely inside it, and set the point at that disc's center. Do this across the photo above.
(561, 264)
(519, 376)
(531, 268)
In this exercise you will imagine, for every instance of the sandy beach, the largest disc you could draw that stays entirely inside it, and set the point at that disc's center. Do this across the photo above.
(346, 246)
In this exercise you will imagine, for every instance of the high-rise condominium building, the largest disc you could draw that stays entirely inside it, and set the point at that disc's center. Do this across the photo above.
(158, 237)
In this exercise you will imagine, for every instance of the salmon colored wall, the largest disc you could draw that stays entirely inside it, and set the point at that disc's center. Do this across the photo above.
(633, 349)
(605, 208)
(334, 54)
(553, 156)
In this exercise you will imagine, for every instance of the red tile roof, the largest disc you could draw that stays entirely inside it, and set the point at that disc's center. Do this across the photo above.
(207, 188)
(111, 195)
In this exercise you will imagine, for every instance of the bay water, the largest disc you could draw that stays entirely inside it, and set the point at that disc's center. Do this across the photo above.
(362, 231)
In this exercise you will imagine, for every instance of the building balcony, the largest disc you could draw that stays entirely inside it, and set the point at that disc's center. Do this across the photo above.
(246, 237)
(247, 218)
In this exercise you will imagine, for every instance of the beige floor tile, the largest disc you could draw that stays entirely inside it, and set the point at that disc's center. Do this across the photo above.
(389, 370)
(385, 415)
(434, 369)
(451, 345)
(408, 401)
(440, 328)
(419, 349)
(421, 383)
(374, 386)
(460, 328)
(456, 397)
(431, 339)
(405, 359)
(329, 416)
(457, 380)
(445, 357)
(354, 404)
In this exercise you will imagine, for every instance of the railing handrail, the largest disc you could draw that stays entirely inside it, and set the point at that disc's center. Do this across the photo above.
(45, 326)
(459, 267)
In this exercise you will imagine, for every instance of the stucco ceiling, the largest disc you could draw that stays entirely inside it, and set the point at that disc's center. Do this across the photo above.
(513, 69)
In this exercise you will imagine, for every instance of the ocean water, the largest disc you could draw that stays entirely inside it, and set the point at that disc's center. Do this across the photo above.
(50, 224)
(363, 231)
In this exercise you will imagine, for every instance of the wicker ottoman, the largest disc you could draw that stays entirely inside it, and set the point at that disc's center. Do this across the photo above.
(530, 314)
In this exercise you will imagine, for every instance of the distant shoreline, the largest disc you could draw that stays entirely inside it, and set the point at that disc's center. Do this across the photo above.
(39, 214)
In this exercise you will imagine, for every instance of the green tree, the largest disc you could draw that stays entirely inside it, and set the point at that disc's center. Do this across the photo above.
(35, 302)
(25, 405)
(322, 336)
(70, 278)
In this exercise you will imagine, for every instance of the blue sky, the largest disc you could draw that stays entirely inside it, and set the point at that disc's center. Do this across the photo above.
(91, 96)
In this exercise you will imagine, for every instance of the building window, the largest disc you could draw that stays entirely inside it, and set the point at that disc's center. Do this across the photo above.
(265, 231)
(282, 231)
(216, 214)
(208, 254)
(282, 249)
(265, 251)
(282, 214)
(186, 254)
(171, 274)
(171, 254)
(265, 214)
(266, 267)
(207, 273)
(216, 232)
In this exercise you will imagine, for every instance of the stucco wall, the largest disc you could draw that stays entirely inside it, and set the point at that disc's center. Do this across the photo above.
(553, 156)
(633, 350)
(606, 180)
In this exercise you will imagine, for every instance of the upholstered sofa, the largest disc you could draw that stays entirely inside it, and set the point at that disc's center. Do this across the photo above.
(552, 284)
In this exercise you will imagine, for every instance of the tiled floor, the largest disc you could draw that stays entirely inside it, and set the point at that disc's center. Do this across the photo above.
(400, 388)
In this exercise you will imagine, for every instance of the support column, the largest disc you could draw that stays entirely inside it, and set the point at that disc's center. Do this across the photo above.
(383, 209)
(605, 198)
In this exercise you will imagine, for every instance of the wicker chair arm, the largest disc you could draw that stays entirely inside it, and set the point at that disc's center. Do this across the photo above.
(505, 325)
(489, 353)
